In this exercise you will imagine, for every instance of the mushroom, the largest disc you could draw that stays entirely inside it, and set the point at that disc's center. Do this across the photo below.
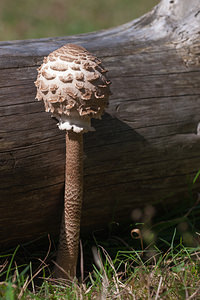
(74, 87)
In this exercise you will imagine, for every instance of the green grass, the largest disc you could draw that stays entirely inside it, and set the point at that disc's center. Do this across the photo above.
(131, 274)
(24, 19)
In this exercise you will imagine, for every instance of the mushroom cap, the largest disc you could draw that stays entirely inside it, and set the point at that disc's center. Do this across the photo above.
(73, 85)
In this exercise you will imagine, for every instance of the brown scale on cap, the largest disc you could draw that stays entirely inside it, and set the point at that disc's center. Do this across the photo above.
(72, 73)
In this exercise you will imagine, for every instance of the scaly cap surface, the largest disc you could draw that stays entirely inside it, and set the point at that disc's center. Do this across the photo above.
(74, 87)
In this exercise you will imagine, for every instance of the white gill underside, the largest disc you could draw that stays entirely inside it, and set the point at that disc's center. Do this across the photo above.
(74, 122)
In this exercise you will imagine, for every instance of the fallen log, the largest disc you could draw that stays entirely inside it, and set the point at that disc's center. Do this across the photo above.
(143, 151)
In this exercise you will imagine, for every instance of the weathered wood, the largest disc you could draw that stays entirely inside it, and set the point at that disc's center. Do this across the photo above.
(143, 151)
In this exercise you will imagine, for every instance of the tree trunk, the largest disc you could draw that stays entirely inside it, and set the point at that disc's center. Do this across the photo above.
(144, 151)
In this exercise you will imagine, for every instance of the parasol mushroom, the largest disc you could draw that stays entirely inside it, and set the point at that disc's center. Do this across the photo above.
(74, 87)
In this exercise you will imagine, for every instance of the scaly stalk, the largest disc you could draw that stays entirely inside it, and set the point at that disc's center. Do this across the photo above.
(70, 228)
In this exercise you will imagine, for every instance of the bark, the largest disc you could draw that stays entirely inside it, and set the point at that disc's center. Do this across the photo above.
(144, 151)
(70, 228)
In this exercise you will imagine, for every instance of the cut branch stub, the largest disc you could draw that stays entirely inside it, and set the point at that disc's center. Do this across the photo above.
(73, 85)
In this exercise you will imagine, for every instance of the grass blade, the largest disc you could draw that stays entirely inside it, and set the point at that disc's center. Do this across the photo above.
(10, 264)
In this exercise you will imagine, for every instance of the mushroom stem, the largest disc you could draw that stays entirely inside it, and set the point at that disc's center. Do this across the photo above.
(70, 228)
